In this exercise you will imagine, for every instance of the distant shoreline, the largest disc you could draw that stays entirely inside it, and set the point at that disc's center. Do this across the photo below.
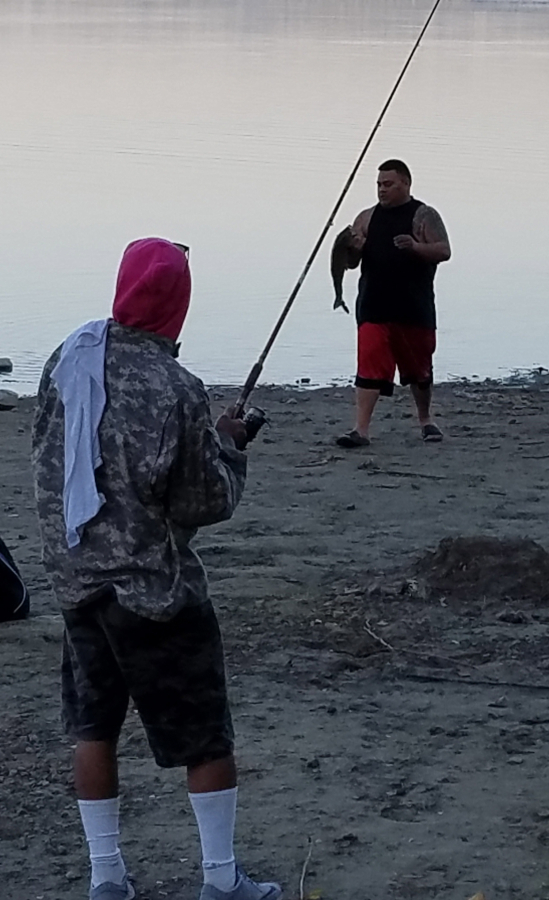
(537, 378)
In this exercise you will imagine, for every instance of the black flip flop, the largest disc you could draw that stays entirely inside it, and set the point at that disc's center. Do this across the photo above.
(352, 439)
(431, 434)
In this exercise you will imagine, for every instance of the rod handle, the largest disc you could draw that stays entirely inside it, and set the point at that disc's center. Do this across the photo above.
(249, 385)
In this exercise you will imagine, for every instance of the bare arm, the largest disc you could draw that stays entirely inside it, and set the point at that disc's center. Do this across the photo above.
(430, 239)
(347, 253)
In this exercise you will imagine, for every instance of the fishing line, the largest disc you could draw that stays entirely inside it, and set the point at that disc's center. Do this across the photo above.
(257, 368)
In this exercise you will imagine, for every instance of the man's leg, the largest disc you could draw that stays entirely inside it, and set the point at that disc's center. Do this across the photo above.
(175, 673)
(213, 794)
(95, 700)
(366, 399)
(430, 432)
(219, 775)
(187, 718)
(414, 347)
(96, 782)
(95, 770)
(375, 372)
(423, 397)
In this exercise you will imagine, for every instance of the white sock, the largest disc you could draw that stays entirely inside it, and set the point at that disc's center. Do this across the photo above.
(216, 814)
(100, 821)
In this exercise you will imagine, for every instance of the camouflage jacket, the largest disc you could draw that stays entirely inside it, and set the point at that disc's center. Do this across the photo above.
(166, 471)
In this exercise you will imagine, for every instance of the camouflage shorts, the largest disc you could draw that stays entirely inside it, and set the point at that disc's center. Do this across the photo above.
(173, 671)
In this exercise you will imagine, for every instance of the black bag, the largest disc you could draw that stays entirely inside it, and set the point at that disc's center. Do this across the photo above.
(14, 597)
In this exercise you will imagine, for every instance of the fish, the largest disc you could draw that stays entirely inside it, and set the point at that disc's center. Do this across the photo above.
(345, 255)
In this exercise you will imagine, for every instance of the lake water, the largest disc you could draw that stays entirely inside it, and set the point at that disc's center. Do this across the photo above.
(231, 125)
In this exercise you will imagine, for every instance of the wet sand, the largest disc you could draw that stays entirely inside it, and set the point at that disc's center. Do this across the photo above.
(392, 707)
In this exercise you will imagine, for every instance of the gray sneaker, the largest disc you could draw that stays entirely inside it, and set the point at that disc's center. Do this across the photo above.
(244, 889)
(110, 891)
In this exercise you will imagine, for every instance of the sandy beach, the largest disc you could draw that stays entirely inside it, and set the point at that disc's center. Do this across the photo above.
(390, 692)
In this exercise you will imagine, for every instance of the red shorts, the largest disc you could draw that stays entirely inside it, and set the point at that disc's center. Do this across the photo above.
(384, 347)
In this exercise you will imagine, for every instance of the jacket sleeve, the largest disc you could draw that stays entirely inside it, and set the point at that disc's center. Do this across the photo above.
(200, 473)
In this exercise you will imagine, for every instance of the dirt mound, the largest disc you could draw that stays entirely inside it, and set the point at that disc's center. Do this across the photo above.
(486, 568)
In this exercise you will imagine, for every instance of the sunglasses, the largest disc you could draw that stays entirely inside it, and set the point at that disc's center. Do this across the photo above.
(183, 247)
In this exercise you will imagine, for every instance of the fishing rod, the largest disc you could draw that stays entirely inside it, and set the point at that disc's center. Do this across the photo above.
(257, 368)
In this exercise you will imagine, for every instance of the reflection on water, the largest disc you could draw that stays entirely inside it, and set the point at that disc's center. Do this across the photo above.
(232, 126)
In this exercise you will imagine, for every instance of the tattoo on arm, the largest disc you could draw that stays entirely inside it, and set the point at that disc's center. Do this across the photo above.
(429, 226)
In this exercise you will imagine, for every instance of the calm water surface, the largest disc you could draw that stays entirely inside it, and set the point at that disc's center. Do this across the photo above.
(231, 125)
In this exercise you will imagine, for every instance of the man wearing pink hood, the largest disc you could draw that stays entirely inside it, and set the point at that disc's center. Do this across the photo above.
(128, 465)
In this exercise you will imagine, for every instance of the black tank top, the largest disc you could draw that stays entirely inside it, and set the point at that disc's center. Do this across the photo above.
(395, 285)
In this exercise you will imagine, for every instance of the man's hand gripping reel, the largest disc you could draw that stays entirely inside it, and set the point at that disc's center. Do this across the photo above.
(254, 418)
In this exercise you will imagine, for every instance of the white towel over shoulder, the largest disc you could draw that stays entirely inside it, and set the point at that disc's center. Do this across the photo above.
(80, 379)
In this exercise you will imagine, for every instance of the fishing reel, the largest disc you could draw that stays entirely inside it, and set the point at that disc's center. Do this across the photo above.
(254, 420)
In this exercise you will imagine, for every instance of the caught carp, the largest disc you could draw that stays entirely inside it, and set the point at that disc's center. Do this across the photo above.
(345, 255)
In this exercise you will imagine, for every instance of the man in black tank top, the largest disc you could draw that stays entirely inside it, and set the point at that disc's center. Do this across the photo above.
(398, 244)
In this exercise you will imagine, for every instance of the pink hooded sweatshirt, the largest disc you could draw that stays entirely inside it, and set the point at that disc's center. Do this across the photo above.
(153, 288)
